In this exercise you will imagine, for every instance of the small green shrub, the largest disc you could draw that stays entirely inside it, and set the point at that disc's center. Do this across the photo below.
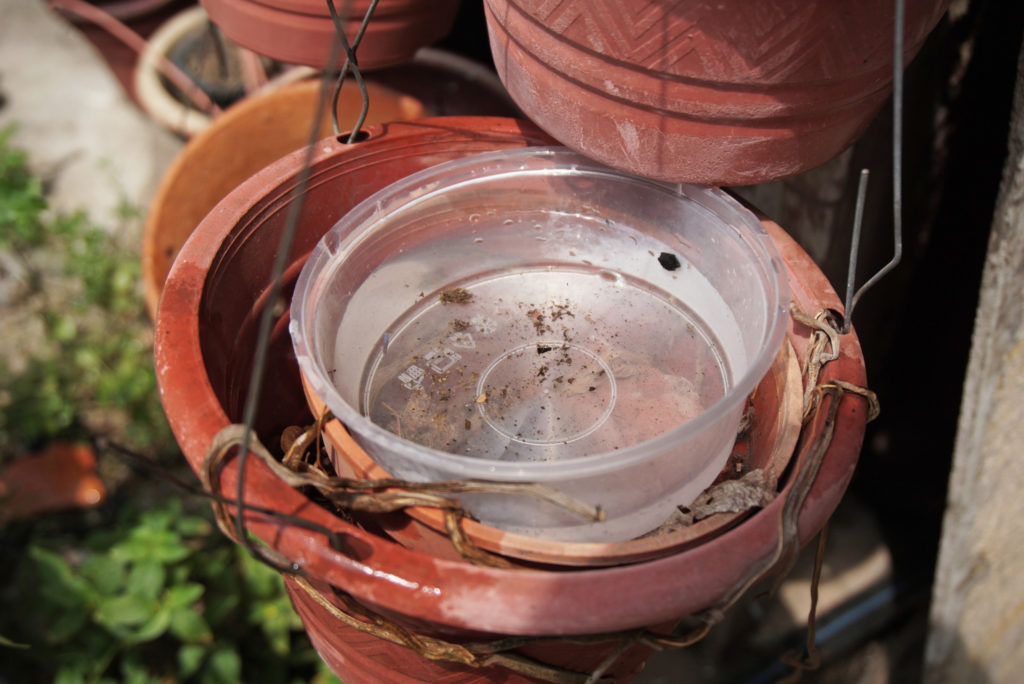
(92, 370)
(161, 597)
(140, 590)
(21, 198)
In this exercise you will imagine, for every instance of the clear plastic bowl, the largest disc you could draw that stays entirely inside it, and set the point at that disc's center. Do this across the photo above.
(534, 316)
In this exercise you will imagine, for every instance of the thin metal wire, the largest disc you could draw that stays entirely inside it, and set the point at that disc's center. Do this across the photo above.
(351, 64)
(851, 271)
(267, 319)
(103, 444)
(897, 165)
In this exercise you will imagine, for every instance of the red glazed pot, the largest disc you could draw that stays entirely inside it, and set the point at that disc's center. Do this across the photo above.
(715, 93)
(204, 346)
(301, 31)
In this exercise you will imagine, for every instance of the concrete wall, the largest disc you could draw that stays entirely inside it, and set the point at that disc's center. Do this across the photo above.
(977, 617)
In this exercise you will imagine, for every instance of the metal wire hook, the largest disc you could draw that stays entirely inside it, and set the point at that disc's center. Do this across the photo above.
(897, 178)
(268, 316)
(351, 64)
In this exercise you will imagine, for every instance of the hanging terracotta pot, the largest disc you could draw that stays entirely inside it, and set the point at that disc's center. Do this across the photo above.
(237, 144)
(205, 339)
(302, 31)
(716, 93)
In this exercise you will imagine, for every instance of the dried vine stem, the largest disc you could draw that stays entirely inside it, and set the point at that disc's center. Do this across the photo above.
(824, 347)
(472, 655)
(825, 336)
(387, 494)
(796, 659)
(371, 496)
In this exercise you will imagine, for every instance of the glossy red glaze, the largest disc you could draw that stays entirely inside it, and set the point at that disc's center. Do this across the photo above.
(204, 345)
(360, 658)
(302, 32)
(715, 93)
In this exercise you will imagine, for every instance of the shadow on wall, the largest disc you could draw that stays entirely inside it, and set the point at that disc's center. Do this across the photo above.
(958, 665)
(916, 330)
(915, 326)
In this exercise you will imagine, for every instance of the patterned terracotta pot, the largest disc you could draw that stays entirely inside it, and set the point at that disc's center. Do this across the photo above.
(302, 31)
(205, 340)
(716, 93)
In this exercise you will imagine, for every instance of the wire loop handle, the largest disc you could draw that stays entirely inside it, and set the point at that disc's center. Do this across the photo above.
(351, 64)
(897, 179)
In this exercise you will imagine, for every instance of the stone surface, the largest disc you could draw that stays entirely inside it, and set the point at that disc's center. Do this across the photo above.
(977, 617)
(85, 138)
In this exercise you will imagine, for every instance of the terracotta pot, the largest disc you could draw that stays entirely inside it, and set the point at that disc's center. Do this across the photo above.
(63, 476)
(204, 345)
(243, 140)
(768, 444)
(716, 93)
(301, 31)
(156, 97)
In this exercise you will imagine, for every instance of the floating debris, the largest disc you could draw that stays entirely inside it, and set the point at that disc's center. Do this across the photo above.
(456, 295)
(669, 261)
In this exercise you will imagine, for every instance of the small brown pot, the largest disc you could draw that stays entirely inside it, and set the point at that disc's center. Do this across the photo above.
(715, 93)
(237, 144)
(205, 339)
(301, 31)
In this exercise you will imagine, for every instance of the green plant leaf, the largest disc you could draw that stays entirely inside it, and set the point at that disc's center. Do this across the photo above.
(7, 643)
(70, 675)
(223, 667)
(133, 671)
(190, 526)
(162, 518)
(276, 619)
(66, 623)
(57, 580)
(104, 572)
(63, 328)
(154, 627)
(160, 545)
(221, 605)
(184, 595)
(146, 579)
(190, 659)
(189, 626)
(124, 610)
(260, 580)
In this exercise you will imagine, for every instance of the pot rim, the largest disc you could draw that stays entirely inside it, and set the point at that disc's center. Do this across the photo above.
(455, 594)
(356, 227)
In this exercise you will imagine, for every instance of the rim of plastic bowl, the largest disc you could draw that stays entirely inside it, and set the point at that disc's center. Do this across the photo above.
(356, 225)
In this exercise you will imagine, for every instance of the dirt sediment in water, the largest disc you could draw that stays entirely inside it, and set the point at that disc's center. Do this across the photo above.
(456, 295)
